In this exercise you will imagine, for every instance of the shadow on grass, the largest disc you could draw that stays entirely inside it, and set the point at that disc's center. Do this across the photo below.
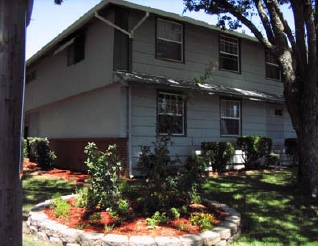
(37, 189)
(275, 210)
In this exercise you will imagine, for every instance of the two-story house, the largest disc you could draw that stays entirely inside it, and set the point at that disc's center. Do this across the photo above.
(124, 73)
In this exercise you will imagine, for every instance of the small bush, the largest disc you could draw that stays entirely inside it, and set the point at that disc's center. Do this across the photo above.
(218, 154)
(104, 171)
(59, 206)
(291, 150)
(206, 221)
(122, 207)
(39, 151)
(175, 213)
(82, 197)
(163, 182)
(157, 218)
(257, 150)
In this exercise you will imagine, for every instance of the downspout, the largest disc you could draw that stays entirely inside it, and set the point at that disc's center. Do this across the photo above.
(129, 131)
(129, 93)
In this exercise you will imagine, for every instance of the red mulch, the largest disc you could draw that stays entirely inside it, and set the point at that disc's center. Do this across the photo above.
(79, 218)
(78, 177)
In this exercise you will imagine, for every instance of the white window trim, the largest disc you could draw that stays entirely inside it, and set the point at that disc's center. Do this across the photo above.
(234, 55)
(183, 115)
(232, 118)
(172, 41)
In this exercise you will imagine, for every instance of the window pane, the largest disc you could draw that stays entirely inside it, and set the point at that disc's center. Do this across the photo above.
(229, 62)
(169, 30)
(170, 124)
(169, 50)
(230, 127)
(170, 113)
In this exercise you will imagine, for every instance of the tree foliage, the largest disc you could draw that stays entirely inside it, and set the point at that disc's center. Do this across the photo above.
(295, 47)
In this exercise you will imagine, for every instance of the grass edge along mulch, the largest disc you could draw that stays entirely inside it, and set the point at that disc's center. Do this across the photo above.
(275, 209)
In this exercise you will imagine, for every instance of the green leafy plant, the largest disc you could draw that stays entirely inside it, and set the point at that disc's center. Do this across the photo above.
(162, 189)
(95, 218)
(194, 195)
(39, 151)
(157, 218)
(82, 197)
(122, 207)
(256, 150)
(217, 154)
(175, 213)
(206, 221)
(59, 206)
(104, 170)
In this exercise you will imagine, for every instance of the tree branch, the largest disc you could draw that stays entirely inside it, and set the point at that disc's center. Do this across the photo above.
(237, 14)
(264, 20)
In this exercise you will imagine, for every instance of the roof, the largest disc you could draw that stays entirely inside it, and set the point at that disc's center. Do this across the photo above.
(91, 13)
(164, 82)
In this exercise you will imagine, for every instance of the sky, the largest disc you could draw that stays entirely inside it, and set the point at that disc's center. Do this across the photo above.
(48, 20)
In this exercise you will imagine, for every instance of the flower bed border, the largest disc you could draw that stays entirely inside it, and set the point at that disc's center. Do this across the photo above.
(49, 230)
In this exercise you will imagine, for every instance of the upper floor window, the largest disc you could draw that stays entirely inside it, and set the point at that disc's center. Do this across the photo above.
(230, 117)
(229, 53)
(171, 113)
(169, 40)
(76, 51)
(272, 67)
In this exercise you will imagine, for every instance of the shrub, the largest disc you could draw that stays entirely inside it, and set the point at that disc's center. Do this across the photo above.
(24, 148)
(291, 150)
(82, 197)
(39, 151)
(257, 150)
(122, 207)
(163, 181)
(175, 213)
(195, 171)
(206, 221)
(59, 206)
(104, 171)
(218, 154)
(157, 218)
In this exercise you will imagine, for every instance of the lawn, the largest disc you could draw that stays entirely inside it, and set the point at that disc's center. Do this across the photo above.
(275, 210)
(36, 189)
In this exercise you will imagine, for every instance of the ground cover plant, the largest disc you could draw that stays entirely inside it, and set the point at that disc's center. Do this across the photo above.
(275, 209)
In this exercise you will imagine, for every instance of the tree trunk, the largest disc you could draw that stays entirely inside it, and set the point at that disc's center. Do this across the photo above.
(308, 146)
(12, 57)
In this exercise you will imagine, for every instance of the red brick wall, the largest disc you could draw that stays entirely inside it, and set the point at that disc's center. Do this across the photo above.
(70, 152)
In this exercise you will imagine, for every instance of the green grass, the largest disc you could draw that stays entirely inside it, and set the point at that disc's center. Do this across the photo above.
(37, 189)
(274, 209)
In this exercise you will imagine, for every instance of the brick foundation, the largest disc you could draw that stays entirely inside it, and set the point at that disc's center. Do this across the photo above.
(70, 152)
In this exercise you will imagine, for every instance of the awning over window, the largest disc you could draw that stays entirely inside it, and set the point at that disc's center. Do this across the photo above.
(164, 82)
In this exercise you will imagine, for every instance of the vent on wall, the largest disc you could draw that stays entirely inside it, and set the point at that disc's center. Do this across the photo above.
(278, 112)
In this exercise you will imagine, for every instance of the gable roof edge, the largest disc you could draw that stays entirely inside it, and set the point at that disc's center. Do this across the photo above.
(91, 14)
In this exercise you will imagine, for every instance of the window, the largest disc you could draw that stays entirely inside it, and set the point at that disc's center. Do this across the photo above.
(229, 53)
(76, 51)
(230, 118)
(169, 40)
(171, 118)
(272, 67)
